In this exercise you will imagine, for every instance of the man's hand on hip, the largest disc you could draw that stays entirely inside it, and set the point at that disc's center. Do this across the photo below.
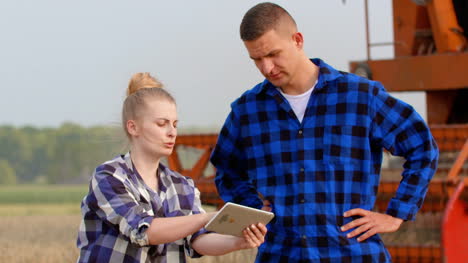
(370, 223)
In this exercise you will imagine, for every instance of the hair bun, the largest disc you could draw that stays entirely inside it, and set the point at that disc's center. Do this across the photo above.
(142, 81)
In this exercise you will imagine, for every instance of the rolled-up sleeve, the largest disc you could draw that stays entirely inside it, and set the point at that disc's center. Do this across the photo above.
(115, 204)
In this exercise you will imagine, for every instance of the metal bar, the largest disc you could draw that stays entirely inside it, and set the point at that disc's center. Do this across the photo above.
(422, 73)
(366, 15)
(443, 21)
(457, 166)
(382, 44)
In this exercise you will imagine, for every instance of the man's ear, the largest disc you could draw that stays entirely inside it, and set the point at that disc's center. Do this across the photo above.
(132, 128)
(298, 39)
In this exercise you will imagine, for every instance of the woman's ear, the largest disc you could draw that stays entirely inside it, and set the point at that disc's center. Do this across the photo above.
(132, 128)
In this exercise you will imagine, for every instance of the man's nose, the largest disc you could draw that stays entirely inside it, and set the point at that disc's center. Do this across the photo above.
(267, 66)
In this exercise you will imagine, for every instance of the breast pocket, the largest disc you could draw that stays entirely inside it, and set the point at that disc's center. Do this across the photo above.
(346, 144)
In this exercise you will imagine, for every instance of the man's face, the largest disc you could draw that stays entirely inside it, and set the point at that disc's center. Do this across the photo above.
(276, 56)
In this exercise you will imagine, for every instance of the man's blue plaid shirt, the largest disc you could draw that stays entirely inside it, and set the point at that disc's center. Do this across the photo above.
(314, 171)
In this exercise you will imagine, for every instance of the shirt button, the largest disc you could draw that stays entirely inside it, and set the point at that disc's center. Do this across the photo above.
(300, 132)
(302, 201)
(304, 241)
(302, 169)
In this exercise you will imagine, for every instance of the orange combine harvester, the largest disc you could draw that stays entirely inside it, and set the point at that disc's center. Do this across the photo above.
(430, 44)
(430, 47)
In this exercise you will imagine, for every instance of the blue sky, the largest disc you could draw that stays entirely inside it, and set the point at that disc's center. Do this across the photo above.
(71, 60)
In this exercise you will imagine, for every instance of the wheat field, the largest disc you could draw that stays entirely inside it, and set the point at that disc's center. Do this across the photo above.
(46, 233)
(38, 238)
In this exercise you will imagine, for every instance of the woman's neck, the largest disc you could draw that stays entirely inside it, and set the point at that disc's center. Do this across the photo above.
(146, 165)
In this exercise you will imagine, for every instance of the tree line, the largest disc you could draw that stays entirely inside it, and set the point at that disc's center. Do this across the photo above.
(64, 155)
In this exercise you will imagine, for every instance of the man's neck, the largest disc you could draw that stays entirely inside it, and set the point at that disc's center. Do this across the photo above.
(305, 78)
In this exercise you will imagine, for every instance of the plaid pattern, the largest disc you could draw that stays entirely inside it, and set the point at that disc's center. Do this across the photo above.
(120, 207)
(314, 171)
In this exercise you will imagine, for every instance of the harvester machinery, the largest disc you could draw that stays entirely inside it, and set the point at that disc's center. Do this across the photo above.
(430, 56)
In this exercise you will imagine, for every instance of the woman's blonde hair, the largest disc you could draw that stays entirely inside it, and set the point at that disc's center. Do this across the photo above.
(141, 87)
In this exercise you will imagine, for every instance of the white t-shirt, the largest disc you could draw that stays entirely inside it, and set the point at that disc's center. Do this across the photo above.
(298, 102)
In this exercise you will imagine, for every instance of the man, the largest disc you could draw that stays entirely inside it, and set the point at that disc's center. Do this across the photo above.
(307, 142)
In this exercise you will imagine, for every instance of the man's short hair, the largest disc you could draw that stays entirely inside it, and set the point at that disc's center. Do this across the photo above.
(262, 18)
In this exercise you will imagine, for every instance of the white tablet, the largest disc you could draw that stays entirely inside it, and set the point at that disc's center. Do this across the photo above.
(233, 218)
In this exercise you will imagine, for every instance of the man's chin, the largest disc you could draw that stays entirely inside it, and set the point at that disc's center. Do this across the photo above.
(278, 84)
(275, 82)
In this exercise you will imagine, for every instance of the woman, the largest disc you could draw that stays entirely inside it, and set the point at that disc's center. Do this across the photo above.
(137, 209)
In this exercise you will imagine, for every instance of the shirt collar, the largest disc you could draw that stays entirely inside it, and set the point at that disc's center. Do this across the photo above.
(326, 74)
(128, 161)
(165, 171)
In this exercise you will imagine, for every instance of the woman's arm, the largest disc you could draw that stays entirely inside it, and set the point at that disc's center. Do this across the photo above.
(216, 244)
(170, 229)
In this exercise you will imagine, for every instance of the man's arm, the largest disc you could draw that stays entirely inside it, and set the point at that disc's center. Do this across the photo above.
(397, 127)
(403, 132)
(229, 158)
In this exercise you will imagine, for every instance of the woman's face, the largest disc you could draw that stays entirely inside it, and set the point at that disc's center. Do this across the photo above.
(156, 128)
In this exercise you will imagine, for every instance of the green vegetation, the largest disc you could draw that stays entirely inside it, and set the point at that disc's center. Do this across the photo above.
(50, 210)
(41, 200)
(8, 175)
(64, 155)
(42, 194)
